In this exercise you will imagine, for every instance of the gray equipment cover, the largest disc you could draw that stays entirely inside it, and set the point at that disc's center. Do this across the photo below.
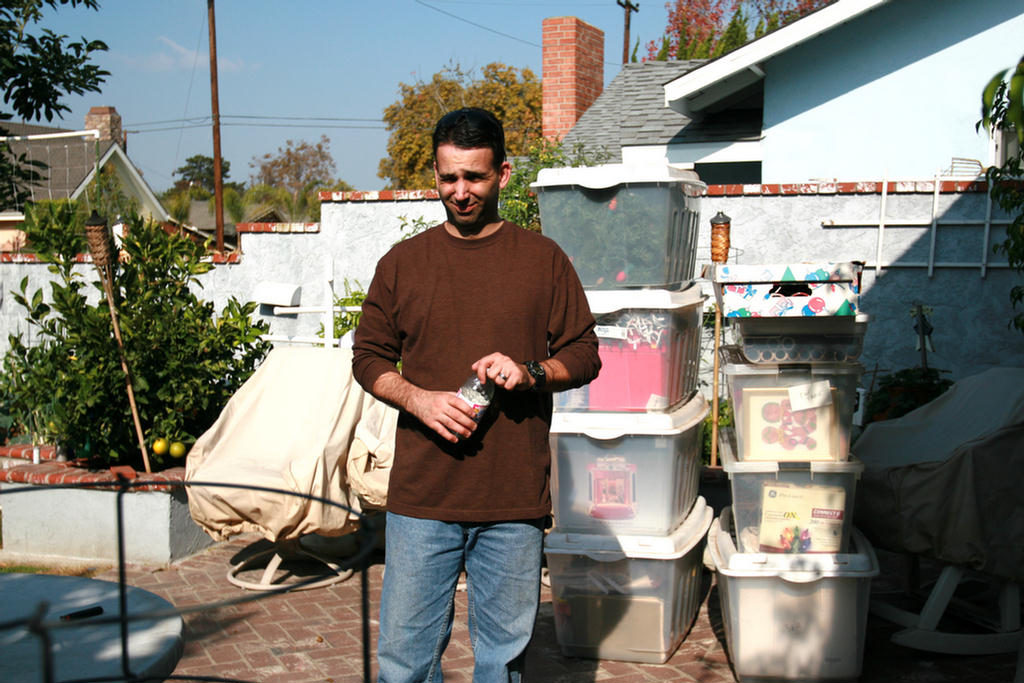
(945, 481)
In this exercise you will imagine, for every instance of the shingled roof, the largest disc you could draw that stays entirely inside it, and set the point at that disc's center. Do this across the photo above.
(632, 112)
(69, 160)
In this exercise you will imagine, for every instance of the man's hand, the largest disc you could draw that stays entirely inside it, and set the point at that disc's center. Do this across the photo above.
(505, 372)
(444, 412)
(441, 411)
(512, 376)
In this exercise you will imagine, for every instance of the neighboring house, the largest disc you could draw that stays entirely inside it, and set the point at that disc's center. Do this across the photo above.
(72, 159)
(631, 115)
(201, 220)
(860, 89)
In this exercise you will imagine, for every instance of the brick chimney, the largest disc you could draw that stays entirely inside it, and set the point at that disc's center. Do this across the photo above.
(107, 121)
(573, 74)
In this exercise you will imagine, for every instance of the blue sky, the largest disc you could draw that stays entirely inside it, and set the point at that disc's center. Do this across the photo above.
(310, 67)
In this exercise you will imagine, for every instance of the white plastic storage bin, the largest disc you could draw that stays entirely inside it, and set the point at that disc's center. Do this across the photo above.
(792, 507)
(649, 343)
(818, 339)
(793, 617)
(623, 226)
(791, 411)
(626, 473)
(630, 598)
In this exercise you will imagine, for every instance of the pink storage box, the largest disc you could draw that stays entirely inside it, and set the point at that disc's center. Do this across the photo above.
(649, 347)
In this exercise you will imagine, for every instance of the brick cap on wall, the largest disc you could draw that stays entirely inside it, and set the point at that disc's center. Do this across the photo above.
(51, 472)
(860, 187)
(379, 196)
(768, 189)
(30, 257)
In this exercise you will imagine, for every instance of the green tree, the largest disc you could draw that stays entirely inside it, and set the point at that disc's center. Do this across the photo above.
(186, 362)
(703, 29)
(36, 71)
(514, 95)
(518, 201)
(291, 207)
(1002, 108)
(199, 171)
(298, 167)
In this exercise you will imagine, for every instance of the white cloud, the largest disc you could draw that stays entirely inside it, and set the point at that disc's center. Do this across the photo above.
(177, 58)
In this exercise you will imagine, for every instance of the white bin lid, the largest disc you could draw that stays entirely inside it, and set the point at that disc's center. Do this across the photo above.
(605, 426)
(609, 175)
(610, 300)
(608, 548)
(733, 466)
(792, 567)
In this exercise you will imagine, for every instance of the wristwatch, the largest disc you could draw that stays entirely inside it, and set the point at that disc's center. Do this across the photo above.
(536, 370)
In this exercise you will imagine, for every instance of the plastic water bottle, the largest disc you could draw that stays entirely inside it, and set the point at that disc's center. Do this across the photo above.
(477, 395)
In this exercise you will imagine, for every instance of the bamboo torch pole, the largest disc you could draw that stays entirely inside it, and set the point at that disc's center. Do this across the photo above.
(99, 248)
(719, 254)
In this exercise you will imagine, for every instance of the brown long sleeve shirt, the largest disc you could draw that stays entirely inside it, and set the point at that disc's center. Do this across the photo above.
(439, 303)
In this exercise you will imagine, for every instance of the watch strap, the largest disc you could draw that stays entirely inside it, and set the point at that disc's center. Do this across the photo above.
(538, 373)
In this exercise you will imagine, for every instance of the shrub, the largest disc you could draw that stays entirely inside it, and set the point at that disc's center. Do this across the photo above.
(903, 391)
(186, 362)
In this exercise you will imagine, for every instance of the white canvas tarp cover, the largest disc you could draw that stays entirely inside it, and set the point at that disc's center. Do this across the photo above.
(301, 424)
(946, 481)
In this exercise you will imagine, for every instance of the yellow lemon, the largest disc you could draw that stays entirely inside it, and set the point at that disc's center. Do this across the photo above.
(177, 449)
(160, 446)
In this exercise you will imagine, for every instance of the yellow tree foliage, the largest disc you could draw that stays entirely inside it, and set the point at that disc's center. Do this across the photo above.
(514, 95)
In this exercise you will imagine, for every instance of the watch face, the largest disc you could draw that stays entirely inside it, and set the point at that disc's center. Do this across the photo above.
(536, 371)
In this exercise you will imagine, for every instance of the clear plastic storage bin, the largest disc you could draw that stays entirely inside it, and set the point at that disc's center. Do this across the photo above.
(623, 226)
(630, 598)
(793, 617)
(819, 339)
(649, 343)
(626, 473)
(791, 411)
(792, 507)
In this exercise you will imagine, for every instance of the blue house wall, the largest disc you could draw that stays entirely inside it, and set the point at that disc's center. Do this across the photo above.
(893, 93)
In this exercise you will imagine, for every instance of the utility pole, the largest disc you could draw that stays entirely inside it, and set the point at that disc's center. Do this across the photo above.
(629, 8)
(218, 181)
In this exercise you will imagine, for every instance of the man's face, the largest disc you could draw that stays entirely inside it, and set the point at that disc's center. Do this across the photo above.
(469, 183)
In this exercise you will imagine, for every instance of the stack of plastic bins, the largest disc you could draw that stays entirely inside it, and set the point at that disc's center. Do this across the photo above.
(797, 617)
(626, 448)
(623, 597)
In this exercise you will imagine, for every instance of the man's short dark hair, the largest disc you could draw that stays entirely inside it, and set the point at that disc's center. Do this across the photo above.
(471, 127)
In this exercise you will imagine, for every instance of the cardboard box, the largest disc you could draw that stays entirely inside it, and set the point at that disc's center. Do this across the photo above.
(786, 290)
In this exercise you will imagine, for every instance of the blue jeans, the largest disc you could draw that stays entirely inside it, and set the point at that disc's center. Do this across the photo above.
(422, 566)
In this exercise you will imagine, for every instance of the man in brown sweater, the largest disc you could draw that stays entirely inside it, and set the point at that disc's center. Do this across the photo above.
(475, 294)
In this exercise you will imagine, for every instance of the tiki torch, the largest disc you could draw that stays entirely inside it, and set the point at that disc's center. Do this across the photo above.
(98, 234)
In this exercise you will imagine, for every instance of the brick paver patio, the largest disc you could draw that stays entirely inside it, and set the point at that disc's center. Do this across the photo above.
(316, 636)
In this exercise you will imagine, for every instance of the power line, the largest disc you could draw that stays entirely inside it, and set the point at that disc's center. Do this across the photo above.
(208, 119)
(136, 131)
(473, 23)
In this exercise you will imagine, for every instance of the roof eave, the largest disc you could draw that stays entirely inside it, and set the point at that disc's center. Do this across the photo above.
(693, 92)
(135, 177)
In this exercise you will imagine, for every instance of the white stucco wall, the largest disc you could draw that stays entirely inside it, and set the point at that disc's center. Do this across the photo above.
(970, 308)
(895, 93)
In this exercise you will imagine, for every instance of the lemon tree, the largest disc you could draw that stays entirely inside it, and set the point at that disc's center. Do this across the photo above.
(186, 358)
